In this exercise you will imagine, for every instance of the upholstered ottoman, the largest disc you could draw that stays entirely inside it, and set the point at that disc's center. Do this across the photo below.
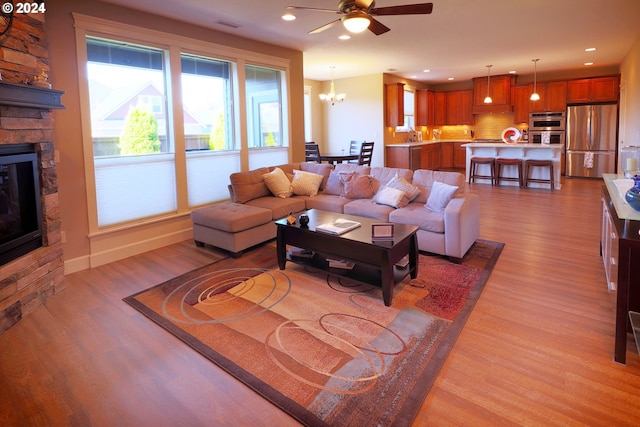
(232, 226)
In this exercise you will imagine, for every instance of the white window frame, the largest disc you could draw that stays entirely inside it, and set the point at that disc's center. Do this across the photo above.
(174, 45)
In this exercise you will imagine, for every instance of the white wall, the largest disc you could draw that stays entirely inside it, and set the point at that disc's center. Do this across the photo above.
(359, 117)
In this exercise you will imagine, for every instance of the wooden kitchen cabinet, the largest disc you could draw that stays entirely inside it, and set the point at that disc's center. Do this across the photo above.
(553, 97)
(459, 155)
(447, 155)
(499, 90)
(598, 89)
(441, 108)
(413, 156)
(454, 107)
(430, 156)
(425, 108)
(520, 97)
(394, 104)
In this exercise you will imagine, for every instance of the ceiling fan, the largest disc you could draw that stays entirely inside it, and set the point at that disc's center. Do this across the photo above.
(358, 15)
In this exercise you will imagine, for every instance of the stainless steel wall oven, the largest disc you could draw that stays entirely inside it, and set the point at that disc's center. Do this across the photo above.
(547, 127)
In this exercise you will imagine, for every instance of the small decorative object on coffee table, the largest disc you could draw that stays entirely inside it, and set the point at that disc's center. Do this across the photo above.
(633, 195)
(382, 232)
(304, 220)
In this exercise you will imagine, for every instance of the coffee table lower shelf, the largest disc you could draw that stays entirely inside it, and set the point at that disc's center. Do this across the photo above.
(360, 273)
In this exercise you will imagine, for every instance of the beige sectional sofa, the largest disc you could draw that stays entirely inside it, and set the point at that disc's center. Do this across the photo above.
(435, 201)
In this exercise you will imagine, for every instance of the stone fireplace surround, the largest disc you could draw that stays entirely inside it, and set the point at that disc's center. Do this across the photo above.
(27, 282)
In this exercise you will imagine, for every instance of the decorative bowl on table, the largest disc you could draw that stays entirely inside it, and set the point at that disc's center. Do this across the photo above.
(511, 135)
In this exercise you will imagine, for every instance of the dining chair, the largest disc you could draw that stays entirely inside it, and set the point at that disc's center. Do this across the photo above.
(311, 152)
(354, 148)
(366, 152)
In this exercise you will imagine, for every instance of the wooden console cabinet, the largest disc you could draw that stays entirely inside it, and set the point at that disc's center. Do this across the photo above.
(620, 245)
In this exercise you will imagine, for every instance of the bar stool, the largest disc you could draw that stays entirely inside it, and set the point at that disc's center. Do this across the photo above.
(473, 165)
(508, 162)
(530, 163)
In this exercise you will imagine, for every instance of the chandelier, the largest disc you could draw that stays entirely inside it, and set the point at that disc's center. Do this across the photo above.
(332, 97)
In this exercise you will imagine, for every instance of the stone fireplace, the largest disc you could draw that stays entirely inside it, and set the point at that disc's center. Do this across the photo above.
(28, 281)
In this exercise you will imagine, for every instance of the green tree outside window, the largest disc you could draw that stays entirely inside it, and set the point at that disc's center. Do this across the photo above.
(140, 133)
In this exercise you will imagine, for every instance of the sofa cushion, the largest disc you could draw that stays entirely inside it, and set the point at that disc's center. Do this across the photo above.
(417, 214)
(424, 179)
(249, 185)
(440, 196)
(278, 183)
(323, 169)
(391, 197)
(231, 217)
(383, 175)
(306, 183)
(334, 184)
(327, 202)
(349, 167)
(279, 208)
(356, 186)
(368, 209)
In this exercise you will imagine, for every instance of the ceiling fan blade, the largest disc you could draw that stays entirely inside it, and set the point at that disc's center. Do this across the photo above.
(407, 9)
(377, 27)
(324, 27)
(363, 4)
(315, 9)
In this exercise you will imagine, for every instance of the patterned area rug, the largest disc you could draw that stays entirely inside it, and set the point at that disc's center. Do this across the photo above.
(325, 350)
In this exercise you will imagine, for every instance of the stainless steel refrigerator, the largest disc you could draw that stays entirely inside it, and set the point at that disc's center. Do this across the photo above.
(591, 140)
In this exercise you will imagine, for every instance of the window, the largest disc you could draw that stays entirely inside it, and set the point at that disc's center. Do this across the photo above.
(133, 160)
(264, 107)
(160, 161)
(206, 99)
(208, 126)
(409, 108)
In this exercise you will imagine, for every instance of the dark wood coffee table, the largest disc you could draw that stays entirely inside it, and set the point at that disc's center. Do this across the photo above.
(375, 262)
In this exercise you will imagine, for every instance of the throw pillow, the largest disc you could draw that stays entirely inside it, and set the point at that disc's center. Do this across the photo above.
(402, 184)
(440, 196)
(278, 183)
(356, 186)
(334, 185)
(391, 197)
(306, 183)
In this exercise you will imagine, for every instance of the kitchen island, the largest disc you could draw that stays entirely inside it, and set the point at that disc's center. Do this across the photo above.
(523, 152)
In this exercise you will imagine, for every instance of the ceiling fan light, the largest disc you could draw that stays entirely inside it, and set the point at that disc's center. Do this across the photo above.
(289, 16)
(356, 23)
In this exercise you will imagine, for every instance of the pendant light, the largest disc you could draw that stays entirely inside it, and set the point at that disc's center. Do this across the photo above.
(534, 95)
(332, 97)
(488, 99)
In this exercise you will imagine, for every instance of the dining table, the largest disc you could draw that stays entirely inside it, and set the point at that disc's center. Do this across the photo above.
(338, 157)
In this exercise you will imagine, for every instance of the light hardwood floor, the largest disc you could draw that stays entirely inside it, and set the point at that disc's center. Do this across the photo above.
(536, 351)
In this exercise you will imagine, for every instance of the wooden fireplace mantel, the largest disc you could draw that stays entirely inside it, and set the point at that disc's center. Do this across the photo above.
(20, 95)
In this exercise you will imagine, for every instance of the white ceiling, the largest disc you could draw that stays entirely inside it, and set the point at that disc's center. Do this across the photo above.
(457, 40)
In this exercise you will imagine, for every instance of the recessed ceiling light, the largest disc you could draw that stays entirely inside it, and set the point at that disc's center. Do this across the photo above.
(413, 77)
(588, 63)
(288, 17)
(590, 49)
(344, 37)
(451, 78)
(512, 72)
(426, 71)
